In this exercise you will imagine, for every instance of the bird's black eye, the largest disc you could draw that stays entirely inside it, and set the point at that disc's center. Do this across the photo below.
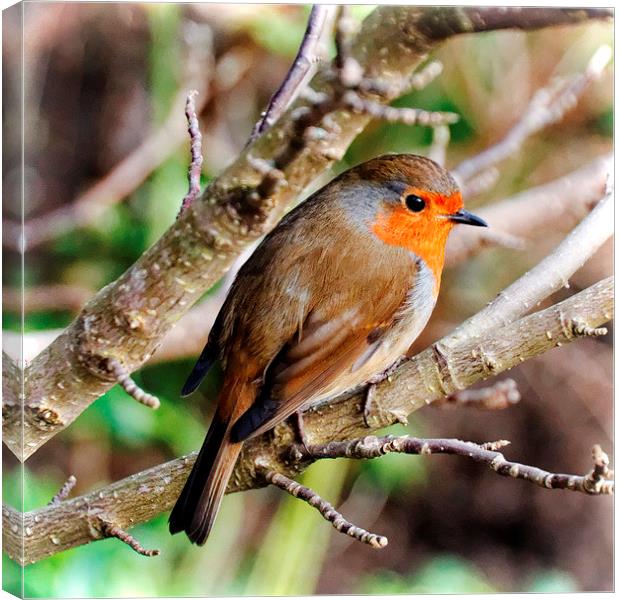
(414, 203)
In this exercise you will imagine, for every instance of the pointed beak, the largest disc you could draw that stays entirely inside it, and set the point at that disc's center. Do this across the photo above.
(465, 217)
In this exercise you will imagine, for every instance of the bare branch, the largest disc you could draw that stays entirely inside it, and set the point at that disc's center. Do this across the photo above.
(305, 58)
(548, 106)
(417, 81)
(128, 318)
(195, 165)
(64, 491)
(482, 182)
(46, 297)
(593, 483)
(429, 376)
(441, 139)
(498, 396)
(108, 529)
(580, 328)
(597, 481)
(328, 512)
(391, 114)
(12, 384)
(426, 75)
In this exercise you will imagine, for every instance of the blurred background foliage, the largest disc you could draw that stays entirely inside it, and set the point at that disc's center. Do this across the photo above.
(103, 76)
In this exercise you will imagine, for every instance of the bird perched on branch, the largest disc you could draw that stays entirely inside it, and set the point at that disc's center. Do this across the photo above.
(334, 295)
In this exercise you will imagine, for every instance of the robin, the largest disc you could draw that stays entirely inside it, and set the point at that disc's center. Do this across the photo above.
(334, 295)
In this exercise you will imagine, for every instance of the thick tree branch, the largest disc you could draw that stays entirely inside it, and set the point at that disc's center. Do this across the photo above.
(127, 320)
(427, 377)
(12, 383)
(498, 396)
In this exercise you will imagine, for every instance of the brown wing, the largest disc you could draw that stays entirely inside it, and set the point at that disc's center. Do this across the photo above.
(323, 357)
(309, 307)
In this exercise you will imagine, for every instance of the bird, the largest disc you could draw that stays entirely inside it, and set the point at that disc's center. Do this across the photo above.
(334, 295)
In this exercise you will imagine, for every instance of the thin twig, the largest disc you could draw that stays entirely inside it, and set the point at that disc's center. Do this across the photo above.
(391, 114)
(548, 106)
(64, 491)
(328, 512)
(108, 530)
(348, 70)
(481, 183)
(195, 165)
(441, 139)
(417, 81)
(594, 483)
(129, 385)
(305, 58)
(498, 396)
(580, 328)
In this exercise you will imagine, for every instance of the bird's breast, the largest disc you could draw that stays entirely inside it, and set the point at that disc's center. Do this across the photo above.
(409, 321)
(411, 318)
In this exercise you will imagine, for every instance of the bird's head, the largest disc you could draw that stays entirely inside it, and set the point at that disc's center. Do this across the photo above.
(414, 203)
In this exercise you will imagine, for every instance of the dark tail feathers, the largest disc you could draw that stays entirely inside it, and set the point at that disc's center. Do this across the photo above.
(197, 506)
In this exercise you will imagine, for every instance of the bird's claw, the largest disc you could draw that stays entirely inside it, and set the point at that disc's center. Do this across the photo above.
(300, 429)
(371, 384)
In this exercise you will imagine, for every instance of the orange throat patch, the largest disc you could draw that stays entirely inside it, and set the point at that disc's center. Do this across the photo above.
(426, 238)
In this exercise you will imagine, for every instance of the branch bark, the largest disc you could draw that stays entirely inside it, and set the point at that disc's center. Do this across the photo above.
(12, 383)
(127, 320)
(429, 376)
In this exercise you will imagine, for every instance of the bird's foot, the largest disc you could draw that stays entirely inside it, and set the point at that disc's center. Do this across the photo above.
(371, 384)
(300, 429)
